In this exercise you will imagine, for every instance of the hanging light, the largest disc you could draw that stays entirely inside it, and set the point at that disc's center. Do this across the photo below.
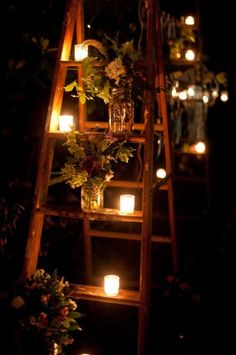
(161, 173)
(189, 54)
(191, 91)
(224, 95)
(205, 97)
(200, 147)
(189, 20)
(174, 92)
(214, 93)
(183, 95)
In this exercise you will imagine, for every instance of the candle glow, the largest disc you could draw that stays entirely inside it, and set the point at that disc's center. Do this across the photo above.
(65, 123)
(127, 203)
(80, 51)
(111, 285)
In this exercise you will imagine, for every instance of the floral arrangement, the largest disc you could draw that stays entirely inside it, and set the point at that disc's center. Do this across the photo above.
(45, 312)
(117, 67)
(91, 158)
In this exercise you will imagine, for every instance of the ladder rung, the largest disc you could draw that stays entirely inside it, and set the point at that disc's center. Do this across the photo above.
(95, 293)
(137, 126)
(131, 184)
(127, 236)
(75, 212)
(70, 63)
(123, 183)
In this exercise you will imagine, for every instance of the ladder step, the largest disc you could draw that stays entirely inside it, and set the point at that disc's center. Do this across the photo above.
(75, 212)
(70, 63)
(137, 126)
(123, 183)
(131, 184)
(127, 236)
(95, 293)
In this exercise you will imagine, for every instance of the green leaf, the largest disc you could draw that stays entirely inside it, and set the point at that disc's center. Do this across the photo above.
(75, 314)
(70, 86)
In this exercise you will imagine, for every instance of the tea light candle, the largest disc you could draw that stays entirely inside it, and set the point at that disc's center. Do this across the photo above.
(127, 203)
(111, 285)
(80, 51)
(65, 123)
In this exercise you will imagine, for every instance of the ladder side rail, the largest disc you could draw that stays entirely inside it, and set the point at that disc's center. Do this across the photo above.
(47, 149)
(160, 77)
(145, 262)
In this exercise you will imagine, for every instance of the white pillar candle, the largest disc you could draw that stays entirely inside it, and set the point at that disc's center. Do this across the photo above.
(127, 203)
(65, 123)
(111, 285)
(80, 51)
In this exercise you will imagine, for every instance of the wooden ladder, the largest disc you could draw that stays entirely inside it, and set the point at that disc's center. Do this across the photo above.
(143, 133)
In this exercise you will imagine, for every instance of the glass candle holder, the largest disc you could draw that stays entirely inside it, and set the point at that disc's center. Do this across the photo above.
(65, 123)
(127, 203)
(80, 51)
(111, 285)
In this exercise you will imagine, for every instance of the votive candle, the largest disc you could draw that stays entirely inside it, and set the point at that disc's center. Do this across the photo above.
(80, 51)
(111, 285)
(127, 203)
(65, 123)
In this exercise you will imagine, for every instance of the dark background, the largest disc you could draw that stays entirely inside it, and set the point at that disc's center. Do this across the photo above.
(27, 71)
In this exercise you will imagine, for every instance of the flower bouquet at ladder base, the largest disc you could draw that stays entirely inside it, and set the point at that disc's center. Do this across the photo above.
(116, 76)
(46, 315)
(89, 165)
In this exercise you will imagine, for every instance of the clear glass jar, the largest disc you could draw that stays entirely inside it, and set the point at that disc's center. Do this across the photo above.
(92, 197)
(121, 111)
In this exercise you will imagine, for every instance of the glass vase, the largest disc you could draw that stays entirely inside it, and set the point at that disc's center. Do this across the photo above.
(121, 111)
(92, 197)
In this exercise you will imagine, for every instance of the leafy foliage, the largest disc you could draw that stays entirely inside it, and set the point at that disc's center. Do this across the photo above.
(117, 66)
(91, 158)
(45, 312)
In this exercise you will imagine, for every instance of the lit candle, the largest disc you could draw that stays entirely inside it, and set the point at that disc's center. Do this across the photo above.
(127, 203)
(81, 51)
(65, 123)
(111, 285)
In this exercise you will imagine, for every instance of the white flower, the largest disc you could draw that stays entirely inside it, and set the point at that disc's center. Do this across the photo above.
(115, 70)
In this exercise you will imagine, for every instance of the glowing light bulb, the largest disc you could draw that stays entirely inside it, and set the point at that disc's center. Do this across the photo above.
(214, 94)
(161, 173)
(200, 147)
(174, 92)
(191, 91)
(189, 20)
(189, 55)
(224, 96)
(183, 95)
